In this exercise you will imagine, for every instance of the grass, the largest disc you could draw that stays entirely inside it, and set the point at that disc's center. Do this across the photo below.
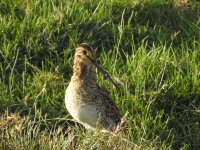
(152, 46)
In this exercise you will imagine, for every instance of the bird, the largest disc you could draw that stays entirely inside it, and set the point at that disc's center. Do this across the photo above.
(86, 102)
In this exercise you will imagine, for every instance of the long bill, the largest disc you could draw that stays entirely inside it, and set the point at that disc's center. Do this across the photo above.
(104, 72)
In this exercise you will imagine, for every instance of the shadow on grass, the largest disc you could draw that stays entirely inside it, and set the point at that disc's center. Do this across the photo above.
(183, 112)
(151, 22)
(155, 23)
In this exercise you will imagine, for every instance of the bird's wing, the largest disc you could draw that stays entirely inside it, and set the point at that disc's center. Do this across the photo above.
(111, 110)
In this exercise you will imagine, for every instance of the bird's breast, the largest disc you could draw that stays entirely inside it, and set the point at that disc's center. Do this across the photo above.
(81, 105)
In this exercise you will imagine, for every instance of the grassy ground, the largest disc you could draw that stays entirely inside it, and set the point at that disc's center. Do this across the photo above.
(153, 46)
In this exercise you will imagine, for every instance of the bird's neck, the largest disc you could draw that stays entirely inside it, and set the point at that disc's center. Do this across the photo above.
(84, 73)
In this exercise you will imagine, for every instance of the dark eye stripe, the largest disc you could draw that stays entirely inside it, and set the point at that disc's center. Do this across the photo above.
(84, 52)
(88, 47)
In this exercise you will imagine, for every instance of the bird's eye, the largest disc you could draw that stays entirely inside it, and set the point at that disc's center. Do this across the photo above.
(85, 52)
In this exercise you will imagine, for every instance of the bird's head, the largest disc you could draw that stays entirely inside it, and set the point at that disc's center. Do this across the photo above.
(84, 54)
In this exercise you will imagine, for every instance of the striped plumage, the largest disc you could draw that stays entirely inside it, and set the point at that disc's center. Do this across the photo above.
(85, 100)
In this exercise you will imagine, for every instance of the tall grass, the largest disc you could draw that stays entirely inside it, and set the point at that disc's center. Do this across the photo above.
(152, 46)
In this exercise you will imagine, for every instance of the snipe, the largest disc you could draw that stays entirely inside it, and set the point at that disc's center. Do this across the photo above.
(85, 100)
